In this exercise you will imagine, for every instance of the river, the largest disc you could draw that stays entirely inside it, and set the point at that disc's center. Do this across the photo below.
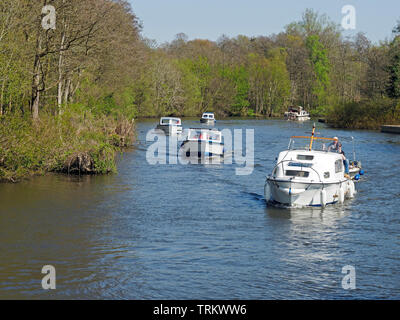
(201, 231)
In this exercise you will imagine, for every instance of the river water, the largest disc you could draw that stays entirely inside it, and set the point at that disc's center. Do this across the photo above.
(201, 231)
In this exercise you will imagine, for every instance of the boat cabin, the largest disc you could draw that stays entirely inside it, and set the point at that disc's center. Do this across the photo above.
(208, 115)
(305, 165)
(209, 135)
(169, 121)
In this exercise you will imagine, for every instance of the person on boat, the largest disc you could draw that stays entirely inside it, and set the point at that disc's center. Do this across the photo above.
(334, 146)
(345, 160)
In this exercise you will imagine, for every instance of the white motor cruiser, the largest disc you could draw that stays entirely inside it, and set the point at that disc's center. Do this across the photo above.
(308, 177)
(170, 126)
(202, 142)
(297, 114)
(208, 118)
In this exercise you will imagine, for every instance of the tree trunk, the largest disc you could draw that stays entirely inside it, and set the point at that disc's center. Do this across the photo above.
(61, 80)
(37, 72)
(67, 90)
(35, 88)
(2, 97)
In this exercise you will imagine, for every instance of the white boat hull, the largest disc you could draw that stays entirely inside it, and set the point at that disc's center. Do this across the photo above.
(302, 118)
(297, 118)
(207, 121)
(170, 130)
(202, 149)
(303, 194)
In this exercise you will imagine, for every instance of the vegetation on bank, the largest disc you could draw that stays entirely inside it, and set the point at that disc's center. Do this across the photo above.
(368, 114)
(75, 143)
(65, 92)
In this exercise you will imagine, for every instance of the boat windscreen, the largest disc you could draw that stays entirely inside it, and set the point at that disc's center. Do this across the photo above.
(205, 135)
(296, 173)
(171, 121)
(304, 144)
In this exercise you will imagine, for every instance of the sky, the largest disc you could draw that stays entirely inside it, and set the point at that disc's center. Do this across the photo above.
(209, 19)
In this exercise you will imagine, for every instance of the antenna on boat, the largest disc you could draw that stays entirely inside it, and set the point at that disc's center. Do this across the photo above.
(312, 136)
(354, 150)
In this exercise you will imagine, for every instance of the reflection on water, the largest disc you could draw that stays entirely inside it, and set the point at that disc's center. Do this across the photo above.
(199, 231)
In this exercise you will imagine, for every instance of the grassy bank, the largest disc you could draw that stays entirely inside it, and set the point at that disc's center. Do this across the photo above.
(76, 142)
(368, 114)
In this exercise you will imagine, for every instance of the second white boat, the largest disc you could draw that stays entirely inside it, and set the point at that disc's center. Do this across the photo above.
(201, 142)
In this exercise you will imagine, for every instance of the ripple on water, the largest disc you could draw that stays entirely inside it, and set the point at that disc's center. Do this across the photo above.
(201, 232)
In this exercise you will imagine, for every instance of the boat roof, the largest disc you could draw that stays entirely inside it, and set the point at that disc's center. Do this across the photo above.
(169, 118)
(206, 129)
(295, 108)
(309, 152)
(208, 112)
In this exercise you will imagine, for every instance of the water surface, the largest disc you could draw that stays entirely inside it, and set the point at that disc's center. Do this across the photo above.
(202, 232)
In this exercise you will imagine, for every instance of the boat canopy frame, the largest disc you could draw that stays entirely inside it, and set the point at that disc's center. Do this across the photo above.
(312, 138)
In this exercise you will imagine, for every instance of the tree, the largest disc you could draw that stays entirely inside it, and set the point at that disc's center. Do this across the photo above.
(393, 89)
(320, 63)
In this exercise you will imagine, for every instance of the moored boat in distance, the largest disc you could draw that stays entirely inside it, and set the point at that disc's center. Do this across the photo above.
(307, 177)
(208, 118)
(390, 128)
(170, 125)
(203, 143)
(297, 114)
(355, 170)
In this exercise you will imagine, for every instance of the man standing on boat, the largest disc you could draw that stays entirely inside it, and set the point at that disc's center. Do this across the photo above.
(334, 146)
(345, 161)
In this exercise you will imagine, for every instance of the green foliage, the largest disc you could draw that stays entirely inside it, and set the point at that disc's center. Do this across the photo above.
(394, 69)
(368, 114)
(269, 82)
(319, 61)
(239, 77)
(28, 147)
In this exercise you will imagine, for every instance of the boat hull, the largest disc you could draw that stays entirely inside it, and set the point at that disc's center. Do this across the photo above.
(170, 130)
(207, 121)
(202, 149)
(297, 118)
(303, 194)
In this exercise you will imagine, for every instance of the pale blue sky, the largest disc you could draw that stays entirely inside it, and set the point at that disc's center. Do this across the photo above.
(209, 19)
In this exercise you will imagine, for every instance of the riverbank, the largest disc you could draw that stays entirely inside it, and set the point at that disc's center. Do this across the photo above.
(73, 143)
(366, 114)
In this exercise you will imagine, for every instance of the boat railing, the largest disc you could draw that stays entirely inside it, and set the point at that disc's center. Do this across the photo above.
(312, 144)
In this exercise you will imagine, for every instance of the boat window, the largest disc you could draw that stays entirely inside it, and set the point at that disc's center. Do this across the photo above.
(165, 121)
(296, 173)
(176, 121)
(338, 166)
(305, 157)
(299, 164)
(215, 136)
(327, 175)
(194, 134)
